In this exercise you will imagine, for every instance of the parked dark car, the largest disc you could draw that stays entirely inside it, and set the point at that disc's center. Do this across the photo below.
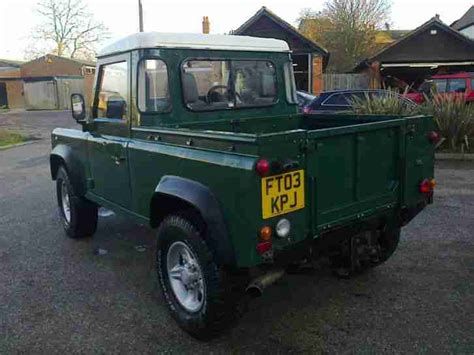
(342, 100)
(304, 98)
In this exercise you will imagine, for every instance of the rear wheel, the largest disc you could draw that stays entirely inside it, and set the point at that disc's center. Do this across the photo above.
(388, 242)
(364, 251)
(78, 215)
(196, 289)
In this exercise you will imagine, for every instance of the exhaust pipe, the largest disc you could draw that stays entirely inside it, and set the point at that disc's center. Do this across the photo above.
(256, 287)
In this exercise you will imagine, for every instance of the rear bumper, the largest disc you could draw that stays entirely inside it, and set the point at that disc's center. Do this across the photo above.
(314, 247)
(408, 213)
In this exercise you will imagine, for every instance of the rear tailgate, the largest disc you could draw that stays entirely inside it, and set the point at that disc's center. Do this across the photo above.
(355, 171)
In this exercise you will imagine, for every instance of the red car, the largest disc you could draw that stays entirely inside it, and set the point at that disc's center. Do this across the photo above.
(461, 84)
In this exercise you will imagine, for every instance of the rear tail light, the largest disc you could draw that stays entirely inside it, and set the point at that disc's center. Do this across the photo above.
(262, 167)
(427, 186)
(434, 137)
(265, 240)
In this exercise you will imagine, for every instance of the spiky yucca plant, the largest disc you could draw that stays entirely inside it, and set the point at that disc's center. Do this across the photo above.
(454, 118)
(388, 104)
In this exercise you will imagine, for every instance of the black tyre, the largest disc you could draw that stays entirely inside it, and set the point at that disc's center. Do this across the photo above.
(198, 292)
(388, 243)
(364, 251)
(78, 215)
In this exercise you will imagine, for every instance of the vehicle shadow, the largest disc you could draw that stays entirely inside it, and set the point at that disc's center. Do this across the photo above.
(300, 313)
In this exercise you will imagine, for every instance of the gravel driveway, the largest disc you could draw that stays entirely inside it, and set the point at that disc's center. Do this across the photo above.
(58, 296)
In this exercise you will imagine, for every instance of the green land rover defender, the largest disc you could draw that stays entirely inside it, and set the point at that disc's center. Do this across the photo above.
(199, 136)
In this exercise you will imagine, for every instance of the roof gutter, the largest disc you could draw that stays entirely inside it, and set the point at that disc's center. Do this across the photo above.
(424, 65)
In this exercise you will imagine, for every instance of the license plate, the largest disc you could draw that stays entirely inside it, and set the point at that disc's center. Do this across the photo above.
(282, 193)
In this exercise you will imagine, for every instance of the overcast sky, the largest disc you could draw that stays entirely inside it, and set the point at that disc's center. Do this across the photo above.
(17, 17)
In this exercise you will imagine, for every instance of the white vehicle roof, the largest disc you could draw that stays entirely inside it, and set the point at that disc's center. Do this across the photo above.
(194, 41)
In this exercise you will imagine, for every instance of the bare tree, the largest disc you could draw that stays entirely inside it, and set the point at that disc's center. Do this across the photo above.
(347, 28)
(68, 28)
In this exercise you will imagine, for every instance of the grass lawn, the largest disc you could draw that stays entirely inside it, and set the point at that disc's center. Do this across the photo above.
(7, 138)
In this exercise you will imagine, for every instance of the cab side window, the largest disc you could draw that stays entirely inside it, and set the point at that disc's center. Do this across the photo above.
(112, 100)
(153, 90)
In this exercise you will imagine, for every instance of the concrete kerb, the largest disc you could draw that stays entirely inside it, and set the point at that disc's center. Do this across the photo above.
(454, 156)
(18, 144)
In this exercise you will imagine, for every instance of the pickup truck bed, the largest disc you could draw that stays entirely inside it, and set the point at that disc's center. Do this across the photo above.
(355, 165)
(356, 168)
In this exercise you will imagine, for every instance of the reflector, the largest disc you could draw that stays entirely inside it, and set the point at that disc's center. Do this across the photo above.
(425, 186)
(434, 137)
(263, 247)
(262, 167)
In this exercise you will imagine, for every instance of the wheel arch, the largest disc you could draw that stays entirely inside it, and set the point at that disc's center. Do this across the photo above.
(174, 194)
(63, 155)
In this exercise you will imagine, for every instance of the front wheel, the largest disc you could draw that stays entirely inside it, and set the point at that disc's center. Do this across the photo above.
(78, 215)
(194, 286)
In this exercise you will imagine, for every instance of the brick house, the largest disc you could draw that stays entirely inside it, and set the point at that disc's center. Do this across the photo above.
(46, 82)
(309, 58)
(11, 84)
(50, 80)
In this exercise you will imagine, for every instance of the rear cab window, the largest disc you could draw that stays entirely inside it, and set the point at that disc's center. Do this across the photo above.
(228, 84)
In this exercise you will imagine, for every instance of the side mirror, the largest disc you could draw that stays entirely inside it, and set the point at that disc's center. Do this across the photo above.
(78, 107)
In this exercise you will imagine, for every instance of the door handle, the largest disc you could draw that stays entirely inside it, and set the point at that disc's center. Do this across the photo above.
(118, 160)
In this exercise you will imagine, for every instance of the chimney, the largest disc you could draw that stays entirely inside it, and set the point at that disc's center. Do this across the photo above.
(206, 25)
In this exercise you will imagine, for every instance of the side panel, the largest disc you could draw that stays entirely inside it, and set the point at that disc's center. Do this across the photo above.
(110, 168)
(230, 177)
(419, 157)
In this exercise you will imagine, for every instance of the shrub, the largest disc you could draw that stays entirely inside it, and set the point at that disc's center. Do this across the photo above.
(388, 104)
(454, 118)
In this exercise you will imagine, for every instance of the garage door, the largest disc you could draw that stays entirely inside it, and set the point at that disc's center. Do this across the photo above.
(41, 95)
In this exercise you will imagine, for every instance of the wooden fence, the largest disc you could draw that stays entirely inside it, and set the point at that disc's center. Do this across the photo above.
(345, 81)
